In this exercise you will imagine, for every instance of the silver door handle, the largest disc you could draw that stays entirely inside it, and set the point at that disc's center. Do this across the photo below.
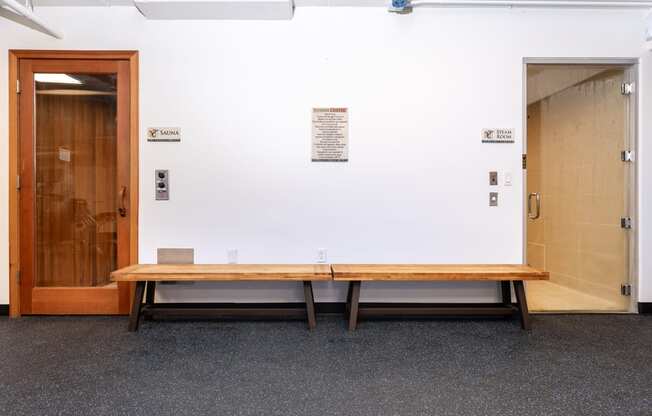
(538, 205)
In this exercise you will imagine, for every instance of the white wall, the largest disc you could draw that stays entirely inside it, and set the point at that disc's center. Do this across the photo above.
(419, 88)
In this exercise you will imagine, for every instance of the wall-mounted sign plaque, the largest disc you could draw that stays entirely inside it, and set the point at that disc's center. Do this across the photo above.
(497, 135)
(330, 134)
(164, 134)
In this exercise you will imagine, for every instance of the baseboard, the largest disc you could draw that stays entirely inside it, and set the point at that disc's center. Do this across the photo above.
(645, 307)
(4, 310)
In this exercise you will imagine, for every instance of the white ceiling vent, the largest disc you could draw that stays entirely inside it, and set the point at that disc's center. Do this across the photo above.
(216, 9)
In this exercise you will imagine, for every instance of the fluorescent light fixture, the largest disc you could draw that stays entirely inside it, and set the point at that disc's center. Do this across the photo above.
(56, 79)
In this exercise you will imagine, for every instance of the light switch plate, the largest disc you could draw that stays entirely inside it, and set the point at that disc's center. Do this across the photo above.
(493, 178)
(493, 199)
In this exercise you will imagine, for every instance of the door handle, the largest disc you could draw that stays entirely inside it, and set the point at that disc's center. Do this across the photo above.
(537, 197)
(122, 210)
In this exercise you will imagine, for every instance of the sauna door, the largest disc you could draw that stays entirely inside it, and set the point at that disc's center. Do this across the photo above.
(74, 178)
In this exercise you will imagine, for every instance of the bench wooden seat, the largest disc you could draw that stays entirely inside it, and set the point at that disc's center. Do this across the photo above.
(146, 275)
(506, 274)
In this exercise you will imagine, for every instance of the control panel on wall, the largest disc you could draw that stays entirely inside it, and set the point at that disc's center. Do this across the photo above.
(494, 182)
(162, 185)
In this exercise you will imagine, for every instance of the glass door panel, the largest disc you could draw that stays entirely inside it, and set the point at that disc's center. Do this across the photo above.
(577, 127)
(75, 174)
(75, 221)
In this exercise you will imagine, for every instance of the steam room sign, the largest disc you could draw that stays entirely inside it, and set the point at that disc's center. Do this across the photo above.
(497, 135)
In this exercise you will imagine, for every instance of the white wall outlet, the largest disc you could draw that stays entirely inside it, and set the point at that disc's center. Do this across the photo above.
(232, 256)
(322, 255)
(508, 179)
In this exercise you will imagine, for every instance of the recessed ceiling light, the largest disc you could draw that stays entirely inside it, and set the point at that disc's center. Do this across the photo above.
(56, 79)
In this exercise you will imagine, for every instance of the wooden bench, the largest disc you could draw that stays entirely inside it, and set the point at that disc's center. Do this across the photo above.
(146, 275)
(355, 274)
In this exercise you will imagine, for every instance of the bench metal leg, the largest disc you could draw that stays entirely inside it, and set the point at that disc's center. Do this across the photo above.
(519, 289)
(134, 317)
(150, 293)
(310, 304)
(354, 289)
(348, 299)
(506, 291)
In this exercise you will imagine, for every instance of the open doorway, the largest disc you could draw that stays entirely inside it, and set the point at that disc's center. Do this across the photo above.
(580, 185)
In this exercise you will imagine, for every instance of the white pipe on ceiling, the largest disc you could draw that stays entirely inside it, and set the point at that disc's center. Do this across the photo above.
(534, 3)
(24, 12)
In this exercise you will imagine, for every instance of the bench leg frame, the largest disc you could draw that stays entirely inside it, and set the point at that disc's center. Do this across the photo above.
(147, 310)
(353, 304)
(521, 300)
(150, 293)
(505, 308)
(310, 304)
(136, 307)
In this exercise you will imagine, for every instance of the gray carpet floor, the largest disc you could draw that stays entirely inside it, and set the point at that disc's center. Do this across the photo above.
(567, 365)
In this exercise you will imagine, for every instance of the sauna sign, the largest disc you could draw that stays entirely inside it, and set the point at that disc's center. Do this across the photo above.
(330, 134)
(164, 134)
(497, 135)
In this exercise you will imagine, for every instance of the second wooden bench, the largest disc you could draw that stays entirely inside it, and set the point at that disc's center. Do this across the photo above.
(506, 274)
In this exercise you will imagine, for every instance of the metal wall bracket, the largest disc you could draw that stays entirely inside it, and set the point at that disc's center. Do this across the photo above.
(626, 223)
(626, 290)
(627, 156)
(627, 88)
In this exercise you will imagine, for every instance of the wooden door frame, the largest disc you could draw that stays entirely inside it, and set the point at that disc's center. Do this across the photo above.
(14, 144)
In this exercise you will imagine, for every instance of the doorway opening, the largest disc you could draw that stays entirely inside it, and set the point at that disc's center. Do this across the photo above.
(580, 182)
(73, 157)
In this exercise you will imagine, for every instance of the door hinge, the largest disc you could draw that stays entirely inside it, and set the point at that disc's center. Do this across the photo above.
(524, 161)
(627, 88)
(18, 276)
(17, 86)
(626, 290)
(626, 223)
(627, 156)
(18, 182)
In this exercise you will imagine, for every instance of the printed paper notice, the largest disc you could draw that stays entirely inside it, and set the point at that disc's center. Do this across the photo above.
(330, 134)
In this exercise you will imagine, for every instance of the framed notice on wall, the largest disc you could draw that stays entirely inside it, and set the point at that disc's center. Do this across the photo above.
(330, 134)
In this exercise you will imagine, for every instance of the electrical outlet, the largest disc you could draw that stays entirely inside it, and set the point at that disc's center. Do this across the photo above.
(508, 179)
(232, 256)
(322, 255)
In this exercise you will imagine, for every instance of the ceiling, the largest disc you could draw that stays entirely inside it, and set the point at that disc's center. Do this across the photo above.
(362, 3)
